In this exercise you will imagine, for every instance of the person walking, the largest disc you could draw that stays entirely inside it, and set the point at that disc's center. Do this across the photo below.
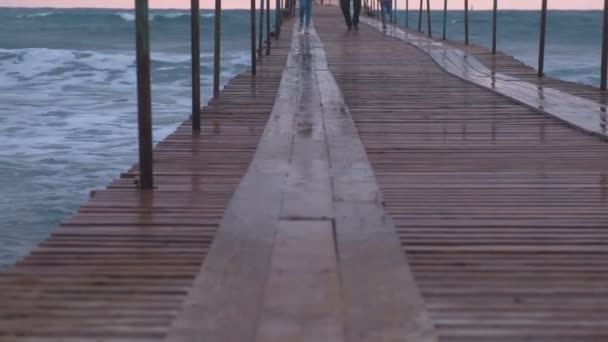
(387, 9)
(305, 15)
(354, 21)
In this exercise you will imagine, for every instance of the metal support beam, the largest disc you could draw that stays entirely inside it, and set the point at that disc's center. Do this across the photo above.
(466, 22)
(277, 25)
(605, 48)
(494, 26)
(144, 97)
(254, 70)
(268, 27)
(428, 17)
(217, 67)
(261, 33)
(445, 19)
(407, 13)
(394, 13)
(543, 31)
(420, 16)
(196, 64)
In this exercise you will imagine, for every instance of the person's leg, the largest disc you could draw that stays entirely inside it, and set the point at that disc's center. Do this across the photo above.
(308, 12)
(356, 12)
(302, 12)
(345, 5)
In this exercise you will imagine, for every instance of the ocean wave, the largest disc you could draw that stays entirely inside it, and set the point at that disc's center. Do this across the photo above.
(126, 16)
(36, 15)
(42, 66)
(130, 16)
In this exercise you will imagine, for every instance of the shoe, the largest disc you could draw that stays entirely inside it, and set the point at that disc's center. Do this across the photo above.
(384, 28)
(349, 28)
(306, 31)
(301, 29)
(356, 26)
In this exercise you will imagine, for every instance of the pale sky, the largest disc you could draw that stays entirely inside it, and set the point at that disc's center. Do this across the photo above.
(478, 4)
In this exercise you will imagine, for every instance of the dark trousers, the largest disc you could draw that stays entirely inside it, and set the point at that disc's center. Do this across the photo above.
(345, 5)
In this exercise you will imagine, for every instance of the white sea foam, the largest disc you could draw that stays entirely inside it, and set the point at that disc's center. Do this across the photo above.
(126, 16)
(130, 16)
(36, 15)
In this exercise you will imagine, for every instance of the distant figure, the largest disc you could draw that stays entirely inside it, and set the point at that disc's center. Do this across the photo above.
(305, 15)
(354, 22)
(387, 9)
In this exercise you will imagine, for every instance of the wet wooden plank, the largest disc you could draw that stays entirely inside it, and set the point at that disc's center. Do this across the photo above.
(303, 299)
(381, 299)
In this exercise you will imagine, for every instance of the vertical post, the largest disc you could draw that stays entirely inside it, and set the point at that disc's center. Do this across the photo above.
(261, 33)
(428, 16)
(420, 16)
(445, 19)
(144, 98)
(267, 27)
(196, 64)
(254, 69)
(543, 30)
(494, 26)
(395, 12)
(407, 13)
(277, 19)
(466, 22)
(217, 46)
(605, 48)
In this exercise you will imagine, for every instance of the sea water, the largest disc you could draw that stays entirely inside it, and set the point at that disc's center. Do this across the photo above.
(68, 105)
(68, 119)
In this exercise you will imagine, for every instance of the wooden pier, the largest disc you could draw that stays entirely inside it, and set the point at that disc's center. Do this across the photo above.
(355, 189)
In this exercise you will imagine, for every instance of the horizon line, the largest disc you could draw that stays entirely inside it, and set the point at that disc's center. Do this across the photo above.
(248, 8)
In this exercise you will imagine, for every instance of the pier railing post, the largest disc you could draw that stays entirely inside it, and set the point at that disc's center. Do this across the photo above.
(394, 13)
(445, 19)
(407, 13)
(144, 97)
(196, 64)
(543, 31)
(428, 17)
(466, 22)
(277, 25)
(253, 54)
(217, 68)
(495, 25)
(420, 16)
(267, 27)
(261, 33)
(604, 75)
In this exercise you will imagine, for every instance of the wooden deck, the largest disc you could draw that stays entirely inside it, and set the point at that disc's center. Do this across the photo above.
(501, 210)
(353, 191)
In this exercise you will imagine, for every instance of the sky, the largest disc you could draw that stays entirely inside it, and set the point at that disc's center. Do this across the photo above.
(477, 4)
